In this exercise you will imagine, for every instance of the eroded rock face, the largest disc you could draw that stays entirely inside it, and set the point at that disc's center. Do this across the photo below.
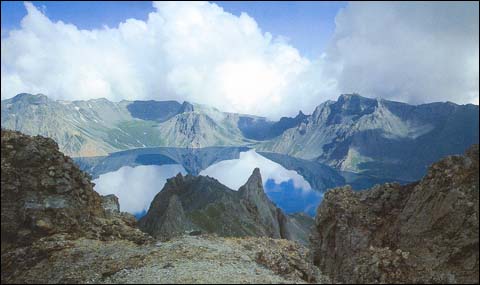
(190, 203)
(423, 232)
(44, 193)
(110, 203)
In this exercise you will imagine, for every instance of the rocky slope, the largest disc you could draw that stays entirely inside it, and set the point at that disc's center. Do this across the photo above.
(56, 229)
(199, 203)
(98, 127)
(185, 259)
(44, 193)
(381, 138)
(423, 232)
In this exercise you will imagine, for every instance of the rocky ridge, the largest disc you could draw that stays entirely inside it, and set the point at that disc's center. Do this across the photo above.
(44, 193)
(56, 229)
(98, 127)
(424, 232)
(199, 203)
(381, 138)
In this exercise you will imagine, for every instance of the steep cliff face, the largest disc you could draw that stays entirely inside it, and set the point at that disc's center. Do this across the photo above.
(189, 203)
(196, 129)
(381, 138)
(427, 231)
(44, 193)
(98, 126)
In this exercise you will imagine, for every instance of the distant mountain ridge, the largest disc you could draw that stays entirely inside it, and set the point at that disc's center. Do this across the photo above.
(380, 139)
(98, 127)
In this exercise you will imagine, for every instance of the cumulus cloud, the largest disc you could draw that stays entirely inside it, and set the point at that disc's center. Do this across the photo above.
(411, 52)
(136, 187)
(235, 172)
(184, 51)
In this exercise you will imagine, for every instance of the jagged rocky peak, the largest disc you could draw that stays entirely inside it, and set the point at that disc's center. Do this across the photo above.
(354, 104)
(424, 232)
(301, 115)
(254, 185)
(43, 193)
(199, 203)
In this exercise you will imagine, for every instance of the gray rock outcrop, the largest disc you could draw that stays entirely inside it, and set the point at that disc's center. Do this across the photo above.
(189, 203)
(110, 203)
(44, 193)
(425, 232)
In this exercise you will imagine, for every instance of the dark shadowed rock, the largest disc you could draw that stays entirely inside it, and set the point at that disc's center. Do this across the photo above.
(191, 203)
(44, 193)
(422, 233)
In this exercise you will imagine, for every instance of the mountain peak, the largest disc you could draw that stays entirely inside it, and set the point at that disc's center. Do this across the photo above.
(256, 174)
(252, 191)
(30, 98)
(254, 182)
(300, 115)
(186, 107)
(349, 96)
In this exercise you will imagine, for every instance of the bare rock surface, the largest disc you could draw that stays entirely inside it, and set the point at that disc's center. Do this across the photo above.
(185, 259)
(202, 203)
(425, 232)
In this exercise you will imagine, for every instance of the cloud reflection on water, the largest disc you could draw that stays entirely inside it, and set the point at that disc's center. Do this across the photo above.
(235, 172)
(136, 187)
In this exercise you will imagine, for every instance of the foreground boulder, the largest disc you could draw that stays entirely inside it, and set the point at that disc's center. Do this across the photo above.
(46, 201)
(44, 193)
(425, 232)
(202, 204)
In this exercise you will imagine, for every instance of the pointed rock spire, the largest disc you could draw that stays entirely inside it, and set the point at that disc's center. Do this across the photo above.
(254, 184)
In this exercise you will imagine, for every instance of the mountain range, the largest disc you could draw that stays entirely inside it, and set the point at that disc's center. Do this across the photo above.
(379, 140)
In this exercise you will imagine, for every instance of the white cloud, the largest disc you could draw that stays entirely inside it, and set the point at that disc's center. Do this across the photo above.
(136, 187)
(184, 51)
(411, 52)
(235, 172)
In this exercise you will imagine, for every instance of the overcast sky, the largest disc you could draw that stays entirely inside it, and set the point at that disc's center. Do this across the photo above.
(253, 62)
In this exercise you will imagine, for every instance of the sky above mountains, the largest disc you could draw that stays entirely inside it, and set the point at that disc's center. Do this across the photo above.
(267, 59)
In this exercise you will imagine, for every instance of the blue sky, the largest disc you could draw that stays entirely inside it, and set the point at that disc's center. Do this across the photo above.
(307, 25)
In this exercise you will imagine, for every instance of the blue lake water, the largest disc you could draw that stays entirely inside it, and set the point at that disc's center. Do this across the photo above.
(291, 199)
(136, 186)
